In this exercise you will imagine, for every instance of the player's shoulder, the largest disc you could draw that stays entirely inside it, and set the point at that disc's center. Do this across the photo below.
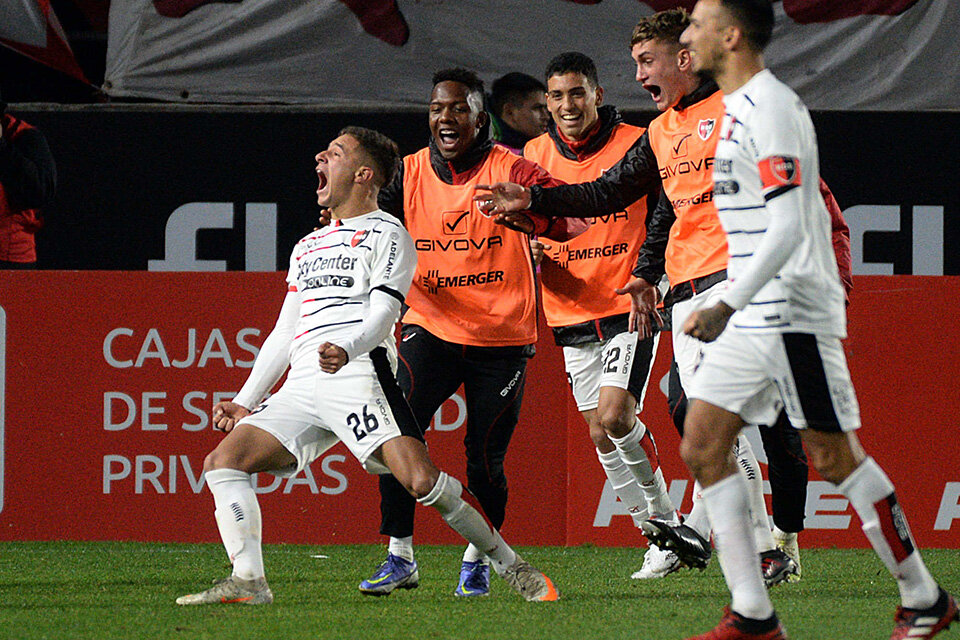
(625, 127)
(767, 106)
(513, 168)
(387, 228)
(413, 162)
(311, 242)
(625, 131)
(311, 238)
(766, 90)
(537, 147)
(383, 220)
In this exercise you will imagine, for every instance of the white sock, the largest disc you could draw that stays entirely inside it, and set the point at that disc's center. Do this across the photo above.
(727, 505)
(625, 485)
(750, 469)
(639, 452)
(446, 497)
(402, 547)
(472, 554)
(697, 518)
(872, 495)
(783, 537)
(238, 518)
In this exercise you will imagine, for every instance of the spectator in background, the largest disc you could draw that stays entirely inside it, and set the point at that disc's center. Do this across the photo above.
(28, 180)
(518, 108)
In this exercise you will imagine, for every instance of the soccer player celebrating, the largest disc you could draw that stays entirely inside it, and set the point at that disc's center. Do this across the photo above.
(472, 311)
(346, 284)
(776, 330)
(684, 238)
(607, 365)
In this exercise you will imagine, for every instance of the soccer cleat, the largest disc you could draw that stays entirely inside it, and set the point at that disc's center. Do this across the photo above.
(788, 543)
(776, 567)
(232, 590)
(530, 583)
(474, 579)
(733, 626)
(393, 573)
(657, 563)
(925, 623)
(685, 542)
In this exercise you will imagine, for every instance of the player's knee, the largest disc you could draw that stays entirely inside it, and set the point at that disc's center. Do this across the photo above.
(218, 459)
(229, 456)
(833, 464)
(420, 482)
(691, 456)
(616, 422)
(833, 455)
(701, 455)
(600, 439)
(487, 485)
(487, 471)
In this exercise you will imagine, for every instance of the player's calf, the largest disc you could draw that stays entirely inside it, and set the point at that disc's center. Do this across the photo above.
(447, 497)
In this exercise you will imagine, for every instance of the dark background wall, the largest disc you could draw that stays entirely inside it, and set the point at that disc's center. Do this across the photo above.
(124, 169)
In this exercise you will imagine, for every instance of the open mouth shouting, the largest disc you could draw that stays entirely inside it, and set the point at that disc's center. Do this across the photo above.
(323, 183)
(448, 139)
(656, 93)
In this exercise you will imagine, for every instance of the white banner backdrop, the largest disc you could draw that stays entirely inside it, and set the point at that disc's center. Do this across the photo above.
(31, 28)
(381, 54)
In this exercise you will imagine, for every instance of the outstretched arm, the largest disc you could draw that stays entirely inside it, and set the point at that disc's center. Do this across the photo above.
(526, 174)
(633, 177)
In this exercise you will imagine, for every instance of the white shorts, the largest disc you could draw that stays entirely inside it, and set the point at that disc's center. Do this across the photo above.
(755, 374)
(687, 350)
(620, 361)
(313, 410)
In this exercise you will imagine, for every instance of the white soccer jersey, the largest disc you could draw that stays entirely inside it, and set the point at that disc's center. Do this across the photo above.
(334, 269)
(782, 268)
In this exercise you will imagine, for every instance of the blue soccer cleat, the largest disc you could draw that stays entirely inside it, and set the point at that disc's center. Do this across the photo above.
(474, 579)
(393, 573)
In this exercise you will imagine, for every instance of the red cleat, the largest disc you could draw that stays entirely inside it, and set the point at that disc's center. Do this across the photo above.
(925, 623)
(734, 626)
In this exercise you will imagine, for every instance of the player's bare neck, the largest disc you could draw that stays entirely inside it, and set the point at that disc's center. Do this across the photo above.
(738, 70)
(353, 207)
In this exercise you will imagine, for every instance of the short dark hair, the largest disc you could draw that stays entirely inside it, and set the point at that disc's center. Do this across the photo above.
(511, 88)
(664, 26)
(383, 152)
(463, 76)
(755, 17)
(572, 62)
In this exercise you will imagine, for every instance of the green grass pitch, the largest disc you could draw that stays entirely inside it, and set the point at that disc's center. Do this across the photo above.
(105, 590)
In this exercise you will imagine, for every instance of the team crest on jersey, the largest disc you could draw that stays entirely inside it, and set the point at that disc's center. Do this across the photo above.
(706, 127)
(359, 237)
